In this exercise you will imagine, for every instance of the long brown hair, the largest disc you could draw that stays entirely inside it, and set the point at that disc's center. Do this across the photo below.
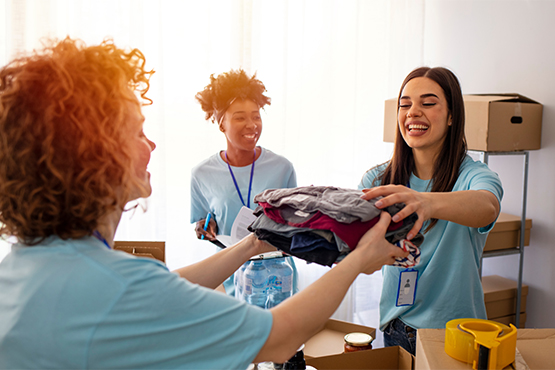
(451, 156)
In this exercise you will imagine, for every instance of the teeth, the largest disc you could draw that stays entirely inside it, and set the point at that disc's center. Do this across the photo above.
(418, 127)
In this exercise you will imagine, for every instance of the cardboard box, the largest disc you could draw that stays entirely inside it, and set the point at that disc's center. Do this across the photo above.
(506, 233)
(381, 358)
(495, 122)
(535, 346)
(329, 341)
(511, 320)
(156, 250)
(500, 296)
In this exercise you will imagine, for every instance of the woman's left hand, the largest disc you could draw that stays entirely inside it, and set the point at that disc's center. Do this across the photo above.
(413, 200)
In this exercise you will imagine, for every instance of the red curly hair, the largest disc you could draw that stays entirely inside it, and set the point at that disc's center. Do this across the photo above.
(64, 137)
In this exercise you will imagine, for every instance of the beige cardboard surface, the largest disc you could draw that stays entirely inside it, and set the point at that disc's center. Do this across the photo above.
(500, 296)
(381, 358)
(329, 341)
(506, 233)
(156, 250)
(502, 122)
(535, 345)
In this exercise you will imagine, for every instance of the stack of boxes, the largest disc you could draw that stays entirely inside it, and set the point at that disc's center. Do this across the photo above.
(500, 296)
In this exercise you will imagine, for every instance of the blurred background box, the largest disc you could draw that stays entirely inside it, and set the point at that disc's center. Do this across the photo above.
(506, 233)
(500, 297)
(494, 122)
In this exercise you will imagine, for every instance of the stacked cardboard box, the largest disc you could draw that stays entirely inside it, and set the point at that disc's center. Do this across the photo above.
(500, 296)
(506, 233)
(494, 123)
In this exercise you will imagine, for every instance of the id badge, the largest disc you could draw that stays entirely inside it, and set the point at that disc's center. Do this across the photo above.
(407, 287)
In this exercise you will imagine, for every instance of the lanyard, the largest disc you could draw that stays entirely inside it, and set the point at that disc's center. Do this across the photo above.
(97, 235)
(235, 181)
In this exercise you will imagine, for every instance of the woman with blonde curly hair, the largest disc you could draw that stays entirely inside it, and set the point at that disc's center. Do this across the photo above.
(72, 154)
(228, 180)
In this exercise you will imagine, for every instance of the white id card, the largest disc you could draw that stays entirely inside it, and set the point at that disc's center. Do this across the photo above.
(407, 287)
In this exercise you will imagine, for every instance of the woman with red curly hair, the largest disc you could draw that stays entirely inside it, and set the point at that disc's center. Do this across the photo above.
(230, 179)
(72, 154)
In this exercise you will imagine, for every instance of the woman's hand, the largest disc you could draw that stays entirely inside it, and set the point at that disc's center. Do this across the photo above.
(413, 200)
(259, 246)
(374, 251)
(210, 233)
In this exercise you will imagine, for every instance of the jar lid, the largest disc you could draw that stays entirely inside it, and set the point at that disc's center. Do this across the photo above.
(358, 339)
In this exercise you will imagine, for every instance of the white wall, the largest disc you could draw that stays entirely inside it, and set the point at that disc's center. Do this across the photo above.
(507, 46)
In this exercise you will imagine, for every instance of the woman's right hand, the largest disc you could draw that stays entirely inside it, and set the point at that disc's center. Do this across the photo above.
(210, 233)
(373, 250)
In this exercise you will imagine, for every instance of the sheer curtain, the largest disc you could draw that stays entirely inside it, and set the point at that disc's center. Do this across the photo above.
(328, 66)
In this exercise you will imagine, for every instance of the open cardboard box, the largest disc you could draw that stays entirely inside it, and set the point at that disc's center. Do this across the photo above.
(380, 358)
(535, 346)
(506, 233)
(330, 340)
(494, 122)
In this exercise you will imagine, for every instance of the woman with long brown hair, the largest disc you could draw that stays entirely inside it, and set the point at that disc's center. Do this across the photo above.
(457, 201)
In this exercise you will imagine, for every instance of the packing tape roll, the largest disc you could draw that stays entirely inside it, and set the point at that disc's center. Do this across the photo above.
(485, 344)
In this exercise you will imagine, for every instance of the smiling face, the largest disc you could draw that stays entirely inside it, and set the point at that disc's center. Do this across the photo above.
(423, 115)
(242, 125)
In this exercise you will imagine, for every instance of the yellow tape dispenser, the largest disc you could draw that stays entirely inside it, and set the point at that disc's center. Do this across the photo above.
(485, 344)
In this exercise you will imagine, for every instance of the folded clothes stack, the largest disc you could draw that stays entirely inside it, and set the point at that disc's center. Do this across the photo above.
(322, 224)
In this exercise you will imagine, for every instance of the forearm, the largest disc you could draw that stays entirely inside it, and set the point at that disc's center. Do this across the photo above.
(301, 316)
(472, 208)
(214, 270)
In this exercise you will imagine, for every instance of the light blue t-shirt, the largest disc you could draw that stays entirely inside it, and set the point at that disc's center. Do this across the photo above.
(213, 190)
(448, 285)
(76, 304)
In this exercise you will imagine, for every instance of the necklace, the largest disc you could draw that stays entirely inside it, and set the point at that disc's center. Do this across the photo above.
(235, 181)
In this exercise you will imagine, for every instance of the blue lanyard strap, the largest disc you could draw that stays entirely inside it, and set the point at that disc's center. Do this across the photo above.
(235, 181)
(97, 235)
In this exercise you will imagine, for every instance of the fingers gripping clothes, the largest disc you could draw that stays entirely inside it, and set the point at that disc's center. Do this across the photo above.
(337, 210)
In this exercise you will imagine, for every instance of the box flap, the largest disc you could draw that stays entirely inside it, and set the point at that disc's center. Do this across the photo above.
(381, 358)
(497, 288)
(330, 340)
(505, 97)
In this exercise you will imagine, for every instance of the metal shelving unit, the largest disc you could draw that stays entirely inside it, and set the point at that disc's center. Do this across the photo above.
(484, 157)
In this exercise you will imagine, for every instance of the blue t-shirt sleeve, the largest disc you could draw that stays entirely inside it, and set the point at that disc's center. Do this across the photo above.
(367, 180)
(292, 182)
(162, 320)
(482, 178)
(199, 204)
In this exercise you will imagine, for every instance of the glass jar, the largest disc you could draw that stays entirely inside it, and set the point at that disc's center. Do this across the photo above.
(358, 342)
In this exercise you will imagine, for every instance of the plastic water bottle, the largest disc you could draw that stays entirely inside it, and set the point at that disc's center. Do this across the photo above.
(256, 283)
(239, 281)
(280, 281)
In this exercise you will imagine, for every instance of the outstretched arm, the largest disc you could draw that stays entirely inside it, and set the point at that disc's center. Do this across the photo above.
(214, 270)
(472, 208)
(298, 318)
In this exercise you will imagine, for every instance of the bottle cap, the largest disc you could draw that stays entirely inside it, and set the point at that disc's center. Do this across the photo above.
(358, 339)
